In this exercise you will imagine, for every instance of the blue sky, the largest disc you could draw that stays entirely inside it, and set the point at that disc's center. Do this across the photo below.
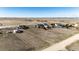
(39, 12)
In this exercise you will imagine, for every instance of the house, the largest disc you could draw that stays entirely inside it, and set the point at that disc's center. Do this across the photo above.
(23, 27)
(43, 25)
(57, 25)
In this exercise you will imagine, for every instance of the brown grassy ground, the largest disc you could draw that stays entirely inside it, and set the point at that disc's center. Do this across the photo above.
(33, 38)
(73, 47)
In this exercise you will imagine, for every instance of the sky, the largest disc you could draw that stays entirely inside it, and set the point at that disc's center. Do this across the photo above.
(39, 12)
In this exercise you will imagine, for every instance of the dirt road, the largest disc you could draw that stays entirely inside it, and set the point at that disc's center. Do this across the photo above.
(63, 44)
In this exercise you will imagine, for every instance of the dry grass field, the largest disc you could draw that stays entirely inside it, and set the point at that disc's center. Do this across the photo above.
(33, 39)
(73, 47)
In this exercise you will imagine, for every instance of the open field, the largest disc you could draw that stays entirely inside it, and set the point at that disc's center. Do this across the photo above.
(13, 21)
(33, 39)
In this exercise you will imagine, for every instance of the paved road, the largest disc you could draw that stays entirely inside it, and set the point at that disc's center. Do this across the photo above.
(63, 44)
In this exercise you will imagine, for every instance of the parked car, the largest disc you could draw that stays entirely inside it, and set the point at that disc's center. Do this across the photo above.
(18, 31)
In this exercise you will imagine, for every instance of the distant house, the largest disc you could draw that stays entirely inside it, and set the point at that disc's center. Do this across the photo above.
(57, 25)
(43, 25)
(23, 27)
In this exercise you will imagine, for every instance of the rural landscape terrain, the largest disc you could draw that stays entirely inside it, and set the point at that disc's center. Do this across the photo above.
(40, 38)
